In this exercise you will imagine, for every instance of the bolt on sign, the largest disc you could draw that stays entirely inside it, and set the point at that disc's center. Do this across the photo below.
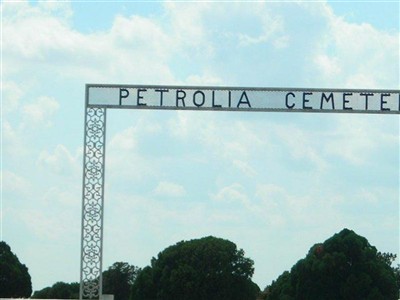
(99, 98)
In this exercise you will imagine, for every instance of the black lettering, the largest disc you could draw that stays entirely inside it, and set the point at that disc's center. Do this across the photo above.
(244, 95)
(122, 96)
(366, 95)
(182, 98)
(140, 97)
(213, 100)
(306, 100)
(230, 100)
(384, 102)
(345, 101)
(161, 91)
(327, 99)
(202, 101)
(287, 103)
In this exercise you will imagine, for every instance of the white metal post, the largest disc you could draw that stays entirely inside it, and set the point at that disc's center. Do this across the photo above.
(93, 203)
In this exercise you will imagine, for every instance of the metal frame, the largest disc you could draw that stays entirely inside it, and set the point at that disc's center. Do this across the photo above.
(94, 171)
(93, 203)
(233, 109)
(239, 88)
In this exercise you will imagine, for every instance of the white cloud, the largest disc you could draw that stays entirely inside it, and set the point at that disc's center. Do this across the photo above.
(40, 111)
(281, 42)
(134, 48)
(356, 139)
(49, 227)
(271, 195)
(244, 167)
(12, 94)
(67, 195)
(271, 26)
(227, 139)
(60, 162)
(302, 144)
(125, 155)
(275, 206)
(204, 79)
(272, 205)
(169, 189)
(231, 194)
(143, 34)
(39, 32)
(360, 56)
(182, 124)
(329, 66)
(62, 9)
(368, 196)
(22, 121)
(13, 143)
(188, 25)
(125, 140)
(8, 132)
(139, 49)
(13, 182)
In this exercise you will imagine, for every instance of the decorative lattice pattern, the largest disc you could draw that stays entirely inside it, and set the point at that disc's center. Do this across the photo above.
(92, 203)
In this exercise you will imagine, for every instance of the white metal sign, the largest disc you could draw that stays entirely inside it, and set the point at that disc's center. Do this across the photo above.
(244, 99)
(99, 98)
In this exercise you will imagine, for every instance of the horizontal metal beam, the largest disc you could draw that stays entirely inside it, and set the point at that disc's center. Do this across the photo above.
(250, 99)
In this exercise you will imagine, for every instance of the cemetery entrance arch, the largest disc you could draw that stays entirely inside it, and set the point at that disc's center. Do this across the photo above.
(99, 98)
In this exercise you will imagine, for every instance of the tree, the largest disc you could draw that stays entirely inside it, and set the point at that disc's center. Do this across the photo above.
(15, 281)
(345, 266)
(203, 269)
(118, 280)
(59, 290)
(389, 259)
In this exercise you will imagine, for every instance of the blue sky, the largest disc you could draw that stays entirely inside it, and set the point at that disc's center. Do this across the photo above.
(273, 183)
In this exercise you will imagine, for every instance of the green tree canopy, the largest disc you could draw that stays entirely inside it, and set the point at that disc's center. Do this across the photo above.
(118, 280)
(59, 290)
(345, 266)
(202, 269)
(15, 281)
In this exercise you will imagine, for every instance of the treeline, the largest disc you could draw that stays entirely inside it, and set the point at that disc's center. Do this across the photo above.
(343, 267)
